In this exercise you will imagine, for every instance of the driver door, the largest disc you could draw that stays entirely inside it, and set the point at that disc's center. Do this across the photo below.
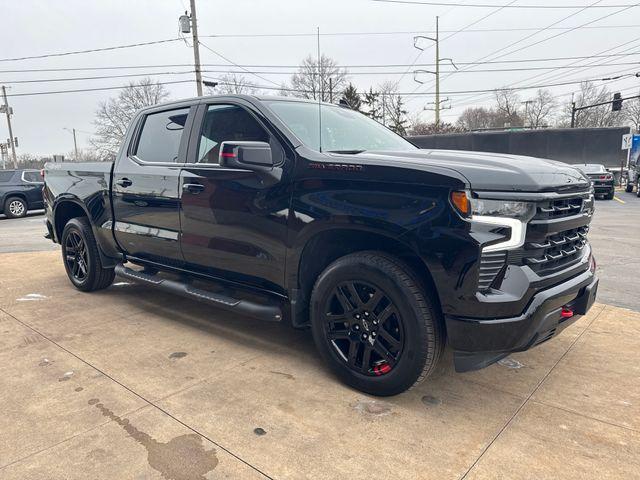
(234, 225)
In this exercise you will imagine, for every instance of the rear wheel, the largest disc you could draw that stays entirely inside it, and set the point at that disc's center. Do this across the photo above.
(81, 258)
(374, 324)
(629, 188)
(15, 207)
(610, 195)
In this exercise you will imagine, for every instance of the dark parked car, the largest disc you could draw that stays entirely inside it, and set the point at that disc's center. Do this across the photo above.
(601, 179)
(20, 191)
(335, 223)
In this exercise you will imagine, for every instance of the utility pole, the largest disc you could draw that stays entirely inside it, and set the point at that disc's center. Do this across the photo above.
(11, 139)
(437, 106)
(189, 23)
(436, 40)
(196, 47)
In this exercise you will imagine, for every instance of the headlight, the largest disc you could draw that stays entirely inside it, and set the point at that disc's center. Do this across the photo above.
(469, 207)
(503, 208)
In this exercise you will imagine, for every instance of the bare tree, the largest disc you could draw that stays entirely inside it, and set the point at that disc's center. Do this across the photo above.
(476, 118)
(234, 84)
(631, 111)
(540, 109)
(423, 128)
(507, 108)
(114, 115)
(85, 155)
(600, 116)
(319, 79)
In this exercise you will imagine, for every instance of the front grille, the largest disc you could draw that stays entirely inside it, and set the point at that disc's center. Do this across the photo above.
(559, 208)
(557, 251)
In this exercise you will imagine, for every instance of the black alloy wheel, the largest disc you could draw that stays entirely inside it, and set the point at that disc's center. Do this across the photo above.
(81, 257)
(375, 323)
(76, 257)
(364, 328)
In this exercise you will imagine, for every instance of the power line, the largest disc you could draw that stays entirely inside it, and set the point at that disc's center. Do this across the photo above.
(475, 98)
(526, 37)
(400, 32)
(493, 5)
(234, 63)
(389, 65)
(551, 37)
(415, 60)
(102, 77)
(92, 50)
(98, 89)
(151, 74)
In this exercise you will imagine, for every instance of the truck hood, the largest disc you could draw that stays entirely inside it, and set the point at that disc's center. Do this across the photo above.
(491, 171)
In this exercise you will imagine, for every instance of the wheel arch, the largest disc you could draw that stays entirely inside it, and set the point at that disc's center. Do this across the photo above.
(327, 245)
(19, 195)
(69, 207)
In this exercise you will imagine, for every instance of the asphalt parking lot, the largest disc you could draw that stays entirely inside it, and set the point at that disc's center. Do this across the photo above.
(132, 383)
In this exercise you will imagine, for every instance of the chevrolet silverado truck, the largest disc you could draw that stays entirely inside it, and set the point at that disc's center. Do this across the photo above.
(313, 214)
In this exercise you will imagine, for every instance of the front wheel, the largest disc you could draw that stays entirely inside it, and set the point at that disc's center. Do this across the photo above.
(375, 324)
(81, 257)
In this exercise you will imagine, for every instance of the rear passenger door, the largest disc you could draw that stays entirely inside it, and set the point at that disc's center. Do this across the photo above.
(234, 224)
(146, 195)
(34, 184)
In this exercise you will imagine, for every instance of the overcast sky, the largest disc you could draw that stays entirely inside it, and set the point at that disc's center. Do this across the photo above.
(33, 27)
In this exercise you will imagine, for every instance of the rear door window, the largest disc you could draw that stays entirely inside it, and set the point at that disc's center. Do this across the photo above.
(160, 137)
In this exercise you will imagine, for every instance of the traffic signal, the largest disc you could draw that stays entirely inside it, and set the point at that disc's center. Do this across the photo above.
(616, 104)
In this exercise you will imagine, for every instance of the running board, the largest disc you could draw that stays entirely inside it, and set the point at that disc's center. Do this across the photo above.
(266, 311)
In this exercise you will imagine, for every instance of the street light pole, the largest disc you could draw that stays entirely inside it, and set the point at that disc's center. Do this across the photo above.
(75, 143)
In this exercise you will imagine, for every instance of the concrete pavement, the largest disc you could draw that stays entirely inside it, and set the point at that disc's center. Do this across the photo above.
(133, 383)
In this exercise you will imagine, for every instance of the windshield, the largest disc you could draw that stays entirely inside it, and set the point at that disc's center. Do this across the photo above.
(343, 130)
(592, 168)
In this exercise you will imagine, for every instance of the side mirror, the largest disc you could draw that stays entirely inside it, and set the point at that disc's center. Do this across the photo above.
(249, 155)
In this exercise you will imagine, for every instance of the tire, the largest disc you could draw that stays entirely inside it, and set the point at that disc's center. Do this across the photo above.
(610, 195)
(81, 257)
(394, 311)
(629, 188)
(15, 207)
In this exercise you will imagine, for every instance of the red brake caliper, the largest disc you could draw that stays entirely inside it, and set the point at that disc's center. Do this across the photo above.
(381, 368)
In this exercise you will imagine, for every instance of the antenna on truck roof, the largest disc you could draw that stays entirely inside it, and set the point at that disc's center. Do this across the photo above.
(320, 94)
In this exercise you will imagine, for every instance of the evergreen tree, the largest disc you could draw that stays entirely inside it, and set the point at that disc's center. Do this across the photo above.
(373, 107)
(351, 97)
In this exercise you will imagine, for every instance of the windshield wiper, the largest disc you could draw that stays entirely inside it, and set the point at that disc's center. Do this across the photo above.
(346, 152)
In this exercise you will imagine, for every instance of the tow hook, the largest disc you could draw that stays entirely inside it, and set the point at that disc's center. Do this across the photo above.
(566, 312)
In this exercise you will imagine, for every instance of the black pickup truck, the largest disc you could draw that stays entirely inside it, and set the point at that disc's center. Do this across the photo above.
(318, 216)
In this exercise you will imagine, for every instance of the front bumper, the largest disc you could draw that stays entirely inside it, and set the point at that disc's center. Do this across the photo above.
(478, 343)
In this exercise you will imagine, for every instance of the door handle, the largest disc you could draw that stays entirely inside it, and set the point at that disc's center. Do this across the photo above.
(124, 182)
(193, 188)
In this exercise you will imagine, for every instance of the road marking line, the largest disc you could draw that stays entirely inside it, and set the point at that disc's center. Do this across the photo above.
(621, 201)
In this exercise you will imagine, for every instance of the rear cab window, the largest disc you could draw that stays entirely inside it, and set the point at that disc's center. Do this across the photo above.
(5, 177)
(160, 136)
